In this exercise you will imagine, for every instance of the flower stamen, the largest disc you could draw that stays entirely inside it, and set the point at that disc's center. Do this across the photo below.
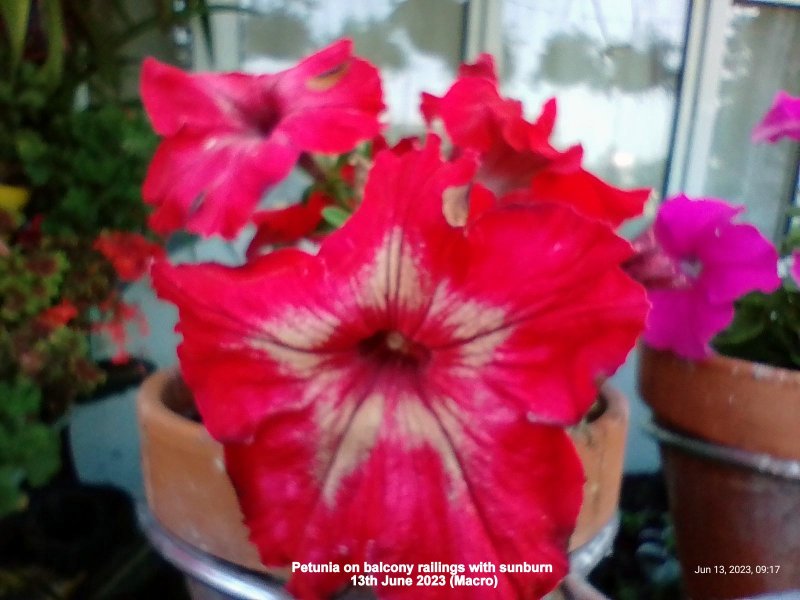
(393, 347)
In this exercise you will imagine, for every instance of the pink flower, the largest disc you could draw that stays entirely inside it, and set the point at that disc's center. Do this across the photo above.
(230, 137)
(781, 120)
(401, 396)
(715, 261)
(129, 253)
(516, 154)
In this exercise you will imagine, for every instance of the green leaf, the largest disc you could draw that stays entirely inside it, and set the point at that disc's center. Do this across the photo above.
(54, 22)
(20, 400)
(11, 498)
(122, 11)
(335, 215)
(16, 13)
(41, 457)
(748, 323)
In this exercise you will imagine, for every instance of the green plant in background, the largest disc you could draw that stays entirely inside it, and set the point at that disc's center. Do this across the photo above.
(79, 150)
(29, 449)
(72, 43)
(44, 354)
(57, 54)
(94, 184)
(44, 301)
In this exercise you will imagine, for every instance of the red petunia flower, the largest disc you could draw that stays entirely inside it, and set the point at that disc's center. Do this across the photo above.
(517, 154)
(401, 396)
(287, 225)
(59, 315)
(482, 67)
(230, 137)
(477, 118)
(589, 195)
(129, 253)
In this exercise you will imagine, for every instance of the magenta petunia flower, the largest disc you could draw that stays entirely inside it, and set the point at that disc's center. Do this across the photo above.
(229, 137)
(401, 396)
(714, 261)
(781, 120)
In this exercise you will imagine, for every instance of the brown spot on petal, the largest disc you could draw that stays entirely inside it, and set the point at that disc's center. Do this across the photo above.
(327, 80)
(455, 205)
(361, 167)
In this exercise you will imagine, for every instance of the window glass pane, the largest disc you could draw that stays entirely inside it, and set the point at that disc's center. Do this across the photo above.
(758, 55)
(416, 43)
(614, 67)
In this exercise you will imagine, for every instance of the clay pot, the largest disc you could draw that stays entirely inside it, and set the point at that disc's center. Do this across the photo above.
(601, 446)
(187, 488)
(730, 445)
(189, 492)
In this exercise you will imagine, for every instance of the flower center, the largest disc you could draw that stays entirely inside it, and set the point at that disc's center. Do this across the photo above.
(266, 122)
(691, 268)
(392, 347)
(266, 117)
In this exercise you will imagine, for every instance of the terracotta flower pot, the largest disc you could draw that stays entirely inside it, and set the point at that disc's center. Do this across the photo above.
(189, 493)
(601, 445)
(730, 443)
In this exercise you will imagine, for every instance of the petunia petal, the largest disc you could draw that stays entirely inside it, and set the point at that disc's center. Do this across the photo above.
(472, 111)
(230, 137)
(395, 482)
(740, 260)
(520, 337)
(782, 120)
(286, 225)
(230, 172)
(482, 67)
(589, 195)
(684, 322)
(684, 226)
(201, 102)
(229, 356)
(331, 100)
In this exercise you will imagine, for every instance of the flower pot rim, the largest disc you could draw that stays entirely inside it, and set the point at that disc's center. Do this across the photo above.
(736, 366)
(727, 401)
(151, 395)
(152, 392)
